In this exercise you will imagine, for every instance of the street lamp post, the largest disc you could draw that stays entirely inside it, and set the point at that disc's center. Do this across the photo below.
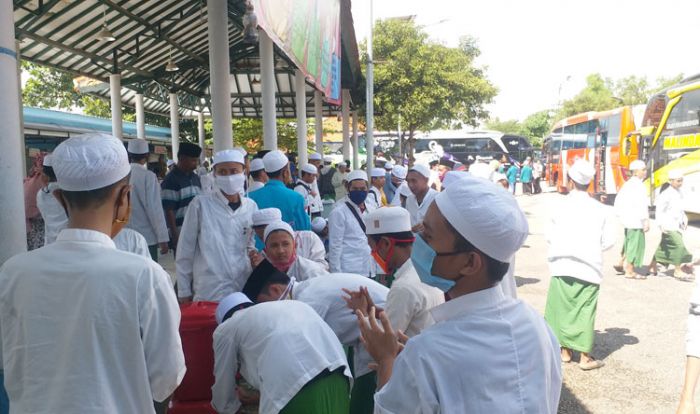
(369, 133)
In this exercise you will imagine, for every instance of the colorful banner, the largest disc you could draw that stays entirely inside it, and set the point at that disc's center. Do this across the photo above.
(308, 31)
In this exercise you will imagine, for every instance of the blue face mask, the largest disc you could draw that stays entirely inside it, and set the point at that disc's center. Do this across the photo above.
(357, 196)
(422, 257)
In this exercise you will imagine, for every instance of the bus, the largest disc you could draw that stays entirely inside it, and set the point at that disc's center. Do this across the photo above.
(463, 144)
(600, 138)
(670, 139)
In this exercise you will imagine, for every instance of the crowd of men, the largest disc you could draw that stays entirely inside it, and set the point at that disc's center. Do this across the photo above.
(402, 301)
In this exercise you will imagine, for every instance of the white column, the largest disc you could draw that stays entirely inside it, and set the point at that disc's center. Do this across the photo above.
(115, 94)
(345, 111)
(12, 225)
(201, 135)
(355, 145)
(300, 88)
(369, 123)
(318, 117)
(219, 63)
(174, 124)
(21, 105)
(140, 117)
(267, 83)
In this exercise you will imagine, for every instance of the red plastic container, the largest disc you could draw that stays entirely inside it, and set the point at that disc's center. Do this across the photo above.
(196, 407)
(197, 326)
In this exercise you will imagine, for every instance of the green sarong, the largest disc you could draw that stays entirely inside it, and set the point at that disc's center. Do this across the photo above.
(363, 388)
(327, 393)
(570, 312)
(672, 250)
(634, 246)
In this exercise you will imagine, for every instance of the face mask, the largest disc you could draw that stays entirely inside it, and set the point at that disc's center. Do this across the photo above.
(118, 224)
(422, 257)
(283, 266)
(381, 262)
(357, 196)
(230, 184)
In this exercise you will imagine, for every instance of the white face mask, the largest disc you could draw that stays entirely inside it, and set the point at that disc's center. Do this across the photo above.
(230, 184)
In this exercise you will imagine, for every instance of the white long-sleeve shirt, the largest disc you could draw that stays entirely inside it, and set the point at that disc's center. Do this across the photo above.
(278, 347)
(409, 301)
(669, 210)
(312, 203)
(486, 353)
(418, 211)
(86, 328)
(212, 253)
(632, 204)
(580, 229)
(324, 295)
(348, 249)
(128, 240)
(303, 269)
(147, 215)
(53, 213)
(310, 246)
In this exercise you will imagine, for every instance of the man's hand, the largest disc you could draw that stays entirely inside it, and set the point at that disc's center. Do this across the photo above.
(185, 299)
(380, 341)
(417, 228)
(646, 226)
(255, 258)
(248, 397)
(356, 300)
(163, 248)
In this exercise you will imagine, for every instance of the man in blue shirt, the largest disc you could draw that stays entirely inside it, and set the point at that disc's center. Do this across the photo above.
(512, 175)
(526, 177)
(276, 194)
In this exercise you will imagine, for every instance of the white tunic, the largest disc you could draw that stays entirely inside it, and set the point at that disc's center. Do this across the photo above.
(410, 300)
(147, 215)
(256, 185)
(485, 354)
(632, 204)
(324, 295)
(55, 218)
(303, 269)
(348, 249)
(312, 204)
(87, 328)
(418, 211)
(278, 348)
(669, 210)
(212, 253)
(580, 229)
(128, 240)
(310, 246)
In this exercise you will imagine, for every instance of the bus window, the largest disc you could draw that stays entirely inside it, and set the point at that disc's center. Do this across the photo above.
(686, 114)
(684, 119)
(614, 125)
(655, 110)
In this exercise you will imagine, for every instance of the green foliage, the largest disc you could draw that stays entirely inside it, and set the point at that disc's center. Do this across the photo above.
(663, 83)
(534, 127)
(632, 90)
(510, 126)
(49, 88)
(248, 133)
(426, 84)
(94, 106)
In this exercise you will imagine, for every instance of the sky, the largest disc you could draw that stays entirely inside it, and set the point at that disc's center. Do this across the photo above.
(531, 47)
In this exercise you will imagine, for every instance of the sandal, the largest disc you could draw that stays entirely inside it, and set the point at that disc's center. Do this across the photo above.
(591, 365)
(619, 270)
(683, 277)
(635, 276)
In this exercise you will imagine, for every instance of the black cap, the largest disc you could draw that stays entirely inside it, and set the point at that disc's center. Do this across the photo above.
(447, 162)
(189, 149)
(263, 274)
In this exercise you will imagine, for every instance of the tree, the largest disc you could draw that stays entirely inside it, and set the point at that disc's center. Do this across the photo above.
(632, 90)
(596, 96)
(248, 133)
(510, 126)
(663, 83)
(49, 88)
(536, 126)
(424, 84)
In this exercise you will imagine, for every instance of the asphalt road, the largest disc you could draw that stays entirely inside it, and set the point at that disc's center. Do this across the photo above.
(640, 327)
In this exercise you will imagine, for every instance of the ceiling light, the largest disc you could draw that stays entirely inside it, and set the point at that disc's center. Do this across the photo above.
(171, 66)
(105, 35)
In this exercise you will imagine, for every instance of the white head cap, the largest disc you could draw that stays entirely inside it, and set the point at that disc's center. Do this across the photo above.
(399, 171)
(47, 161)
(241, 150)
(357, 175)
(318, 224)
(275, 161)
(315, 156)
(378, 172)
(481, 170)
(452, 176)
(137, 146)
(388, 166)
(582, 172)
(266, 216)
(388, 220)
(257, 164)
(327, 160)
(421, 169)
(637, 165)
(278, 225)
(485, 215)
(90, 161)
(230, 155)
(672, 175)
(310, 169)
(229, 302)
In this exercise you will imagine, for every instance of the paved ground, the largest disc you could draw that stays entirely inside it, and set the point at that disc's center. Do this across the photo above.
(640, 327)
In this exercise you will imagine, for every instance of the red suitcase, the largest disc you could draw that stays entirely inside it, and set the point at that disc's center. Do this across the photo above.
(197, 326)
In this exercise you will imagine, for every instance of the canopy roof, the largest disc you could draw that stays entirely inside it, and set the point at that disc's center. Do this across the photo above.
(63, 34)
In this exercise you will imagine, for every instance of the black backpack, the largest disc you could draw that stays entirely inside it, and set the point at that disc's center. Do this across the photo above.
(325, 184)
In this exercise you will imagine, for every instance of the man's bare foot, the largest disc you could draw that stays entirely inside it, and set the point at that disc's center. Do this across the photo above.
(566, 355)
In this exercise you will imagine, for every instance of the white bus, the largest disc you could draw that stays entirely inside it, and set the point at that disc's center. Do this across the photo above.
(462, 144)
